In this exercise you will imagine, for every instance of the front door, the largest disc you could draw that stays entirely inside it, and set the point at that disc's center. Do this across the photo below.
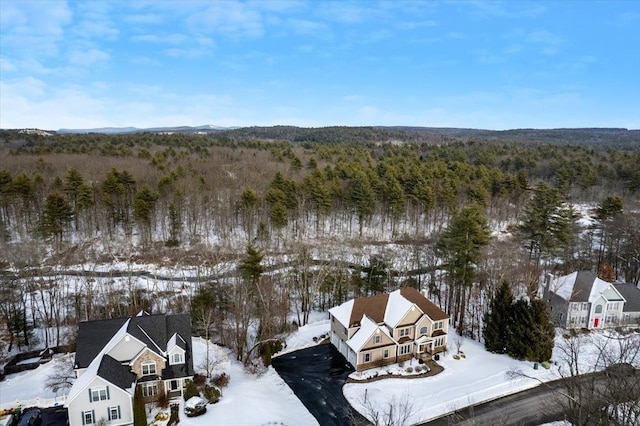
(595, 322)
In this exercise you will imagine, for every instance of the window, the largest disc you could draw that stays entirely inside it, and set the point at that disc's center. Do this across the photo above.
(176, 358)
(100, 394)
(437, 325)
(114, 413)
(149, 389)
(367, 357)
(598, 309)
(405, 349)
(404, 332)
(585, 306)
(424, 330)
(173, 385)
(88, 417)
(439, 342)
(613, 306)
(148, 368)
(385, 354)
(376, 339)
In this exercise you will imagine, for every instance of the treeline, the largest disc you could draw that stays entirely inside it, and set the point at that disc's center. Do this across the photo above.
(183, 188)
(480, 212)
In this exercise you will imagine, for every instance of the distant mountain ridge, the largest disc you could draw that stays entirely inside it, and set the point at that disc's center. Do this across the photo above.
(122, 130)
(602, 138)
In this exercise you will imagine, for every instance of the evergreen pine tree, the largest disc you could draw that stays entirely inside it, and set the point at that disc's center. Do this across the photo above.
(139, 410)
(56, 216)
(520, 337)
(496, 321)
(543, 331)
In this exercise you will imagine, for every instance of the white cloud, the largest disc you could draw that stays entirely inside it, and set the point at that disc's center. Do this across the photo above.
(87, 57)
(229, 17)
(7, 65)
(33, 27)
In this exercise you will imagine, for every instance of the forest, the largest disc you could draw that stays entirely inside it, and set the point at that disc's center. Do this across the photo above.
(282, 221)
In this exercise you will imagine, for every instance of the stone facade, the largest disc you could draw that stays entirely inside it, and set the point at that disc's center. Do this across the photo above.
(148, 355)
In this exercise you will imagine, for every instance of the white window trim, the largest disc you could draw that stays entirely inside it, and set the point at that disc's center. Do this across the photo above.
(172, 360)
(148, 364)
(115, 409)
(147, 386)
(91, 415)
(99, 394)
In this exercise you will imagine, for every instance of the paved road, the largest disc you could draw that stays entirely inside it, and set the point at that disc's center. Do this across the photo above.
(542, 404)
(316, 375)
(531, 407)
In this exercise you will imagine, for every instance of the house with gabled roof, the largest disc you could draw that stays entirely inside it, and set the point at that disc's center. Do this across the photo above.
(631, 308)
(582, 300)
(115, 356)
(388, 328)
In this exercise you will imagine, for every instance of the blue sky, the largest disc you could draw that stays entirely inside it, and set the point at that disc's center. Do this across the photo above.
(477, 64)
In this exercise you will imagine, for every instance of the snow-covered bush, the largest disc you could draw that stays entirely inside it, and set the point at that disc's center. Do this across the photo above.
(195, 406)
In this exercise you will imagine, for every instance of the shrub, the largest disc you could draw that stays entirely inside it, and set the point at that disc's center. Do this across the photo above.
(212, 394)
(268, 349)
(199, 380)
(191, 390)
(220, 380)
(163, 400)
(409, 370)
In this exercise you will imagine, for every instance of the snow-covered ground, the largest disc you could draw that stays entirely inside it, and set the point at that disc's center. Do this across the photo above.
(251, 399)
(480, 376)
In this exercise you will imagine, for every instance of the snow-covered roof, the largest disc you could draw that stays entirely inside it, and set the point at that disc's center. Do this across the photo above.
(599, 287)
(92, 370)
(342, 312)
(422, 339)
(563, 286)
(397, 308)
(580, 286)
(367, 328)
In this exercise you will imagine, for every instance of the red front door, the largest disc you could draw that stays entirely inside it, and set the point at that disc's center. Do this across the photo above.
(595, 322)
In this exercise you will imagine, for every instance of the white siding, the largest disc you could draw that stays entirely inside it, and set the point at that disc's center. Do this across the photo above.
(117, 397)
(125, 349)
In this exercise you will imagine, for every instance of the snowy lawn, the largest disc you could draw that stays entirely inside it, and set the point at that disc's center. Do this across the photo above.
(480, 376)
(248, 399)
(266, 399)
(28, 388)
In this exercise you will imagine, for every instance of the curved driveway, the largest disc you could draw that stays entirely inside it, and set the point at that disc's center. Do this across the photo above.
(316, 375)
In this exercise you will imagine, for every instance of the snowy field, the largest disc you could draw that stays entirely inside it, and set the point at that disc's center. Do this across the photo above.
(480, 376)
(267, 400)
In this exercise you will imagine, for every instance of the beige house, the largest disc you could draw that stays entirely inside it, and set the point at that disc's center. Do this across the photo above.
(387, 328)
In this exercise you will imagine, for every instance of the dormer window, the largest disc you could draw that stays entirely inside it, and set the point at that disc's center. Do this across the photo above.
(177, 358)
(148, 368)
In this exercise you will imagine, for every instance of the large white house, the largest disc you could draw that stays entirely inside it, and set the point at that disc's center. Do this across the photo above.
(387, 328)
(114, 356)
(582, 300)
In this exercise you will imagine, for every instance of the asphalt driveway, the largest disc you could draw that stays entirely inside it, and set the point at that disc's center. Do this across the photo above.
(316, 375)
